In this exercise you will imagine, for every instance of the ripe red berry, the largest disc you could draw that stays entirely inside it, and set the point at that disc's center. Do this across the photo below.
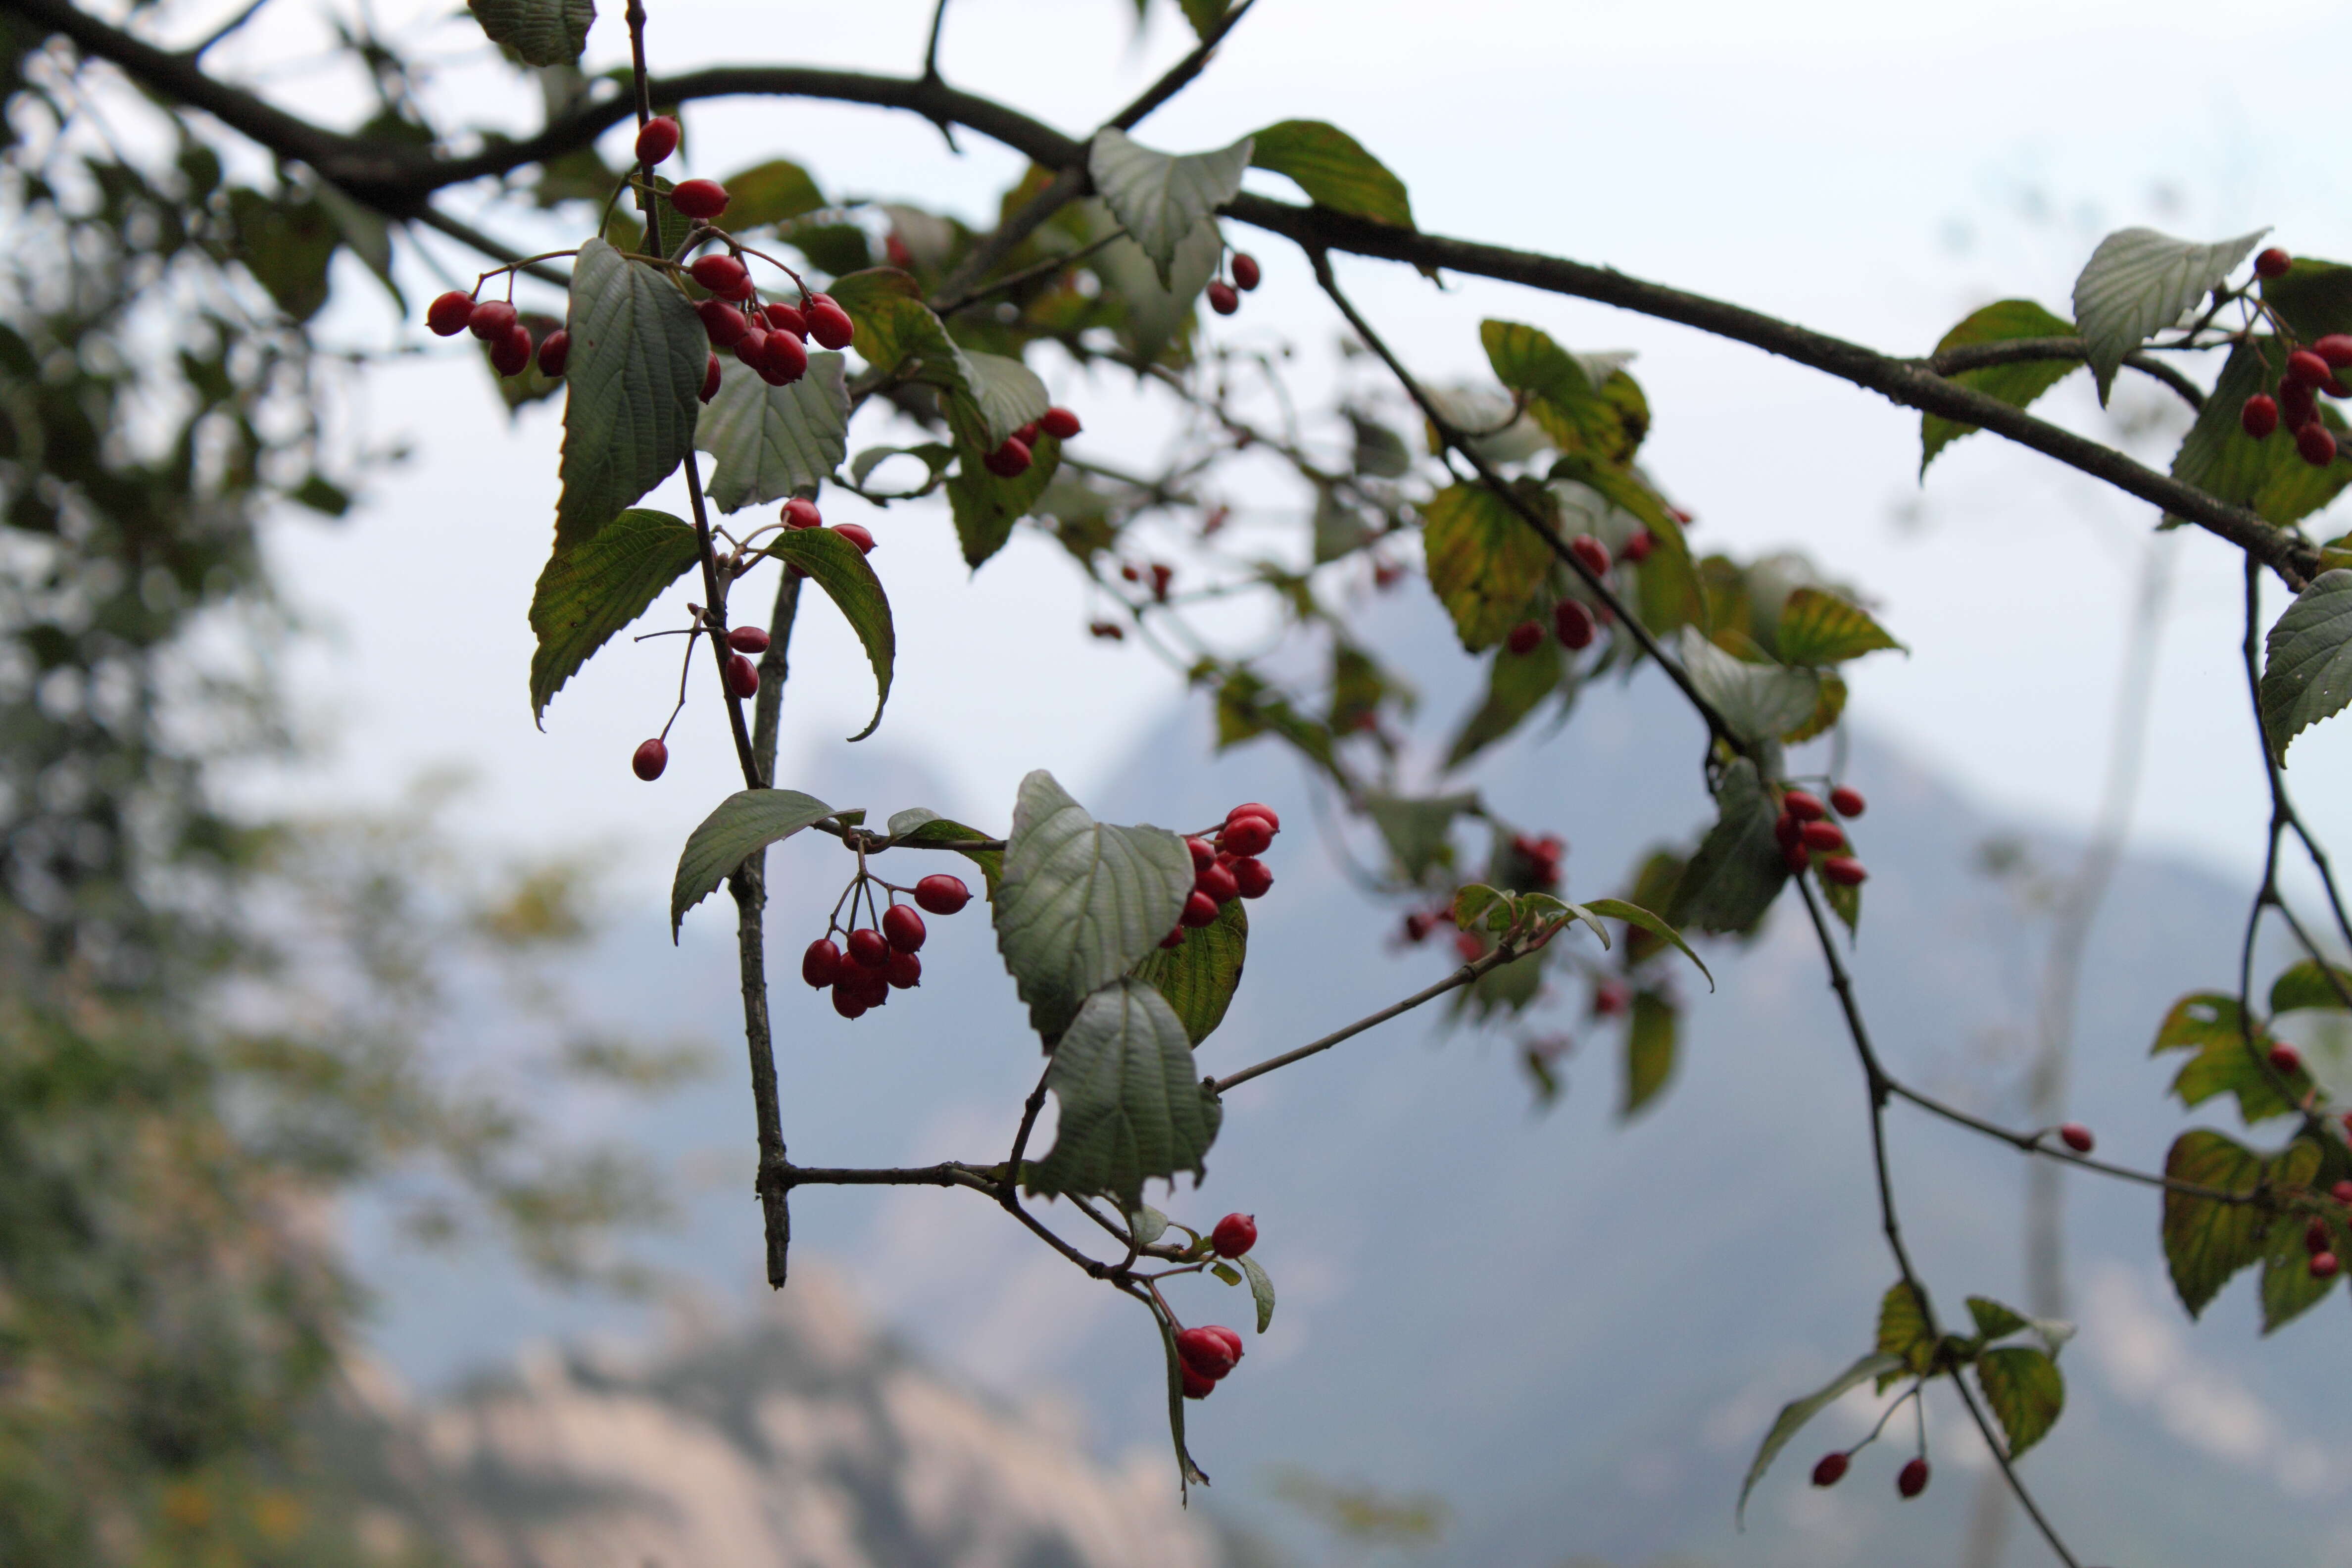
(2286, 1060)
(2306, 367)
(1822, 835)
(709, 380)
(1610, 998)
(828, 324)
(510, 355)
(942, 894)
(1203, 854)
(2335, 347)
(1195, 1385)
(905, 971)
(448, 313)
(721, 322)
(1912, 1479)
(868, 948)
(2341, 1191)
(651, 758)
(2323, 1266)
(1637, 549)
(1027, 437)
(700, 199)
(1468, 947)
(1591, 553)
(1245, 835)
(751, 348)
(1236, 1234)
(2260, 415)
(1795, 856)
(490, 320)
(554, 352)
(848, 1000)
(902, 928)
(2298, 405)
(1254, 808)
(2315, 445)
(856, 534)
(1221, 297)
(1524, 637)
(1199, 909)
(1060, 424)
(1573, 622)
(1212, 1351)
(1847, 802)
(1788, 830)
(657, 140)
(1831, 1470)
(722, 275)
(1845, 870)
(1218, 882)
(1804, 805)
(748, 640)
(1245, 271)
(2273, 263)
(783, 359)
(1252, 877)
(1009, 461)
(742, 676)
(2314, 1237)
(1174, 939)
(820, 963)
(801, 513)
(2077, 1137)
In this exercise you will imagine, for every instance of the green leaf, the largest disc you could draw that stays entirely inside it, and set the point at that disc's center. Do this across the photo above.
(1381, 453)
(596, 587)
(1204, 15)
(2206, 1241)
(1517, 684)
(986, 506)
(1227, 1272)
(1650, 1041)
(634, 381)
(1157, 313)
(2140, 281)
(1261, 1291)
(1737, 871)
(1903, 1330)
(2306, 984)
(2288, 1290)
(2313, 297)
(1585, 403)
(1197, 974)
(1161, 198)
(898, 334)
(1797, 1412)
(745, 823)
(935, 455)
(1995, 1321)
(838, 566)
(2307, 663)
(1818, 628)
(770, 193)
(2218, 456)
(2003, 320)
(940, 830)
(1339, 529)
(543, 32)
(1333, 169)
(1417, 831)
(1475, 904)
(1081, 902)
(1004, 395)
(1656, 925)
(1484, 562)
(286, 245)
(2228, 1057)
(2023, 1386)
(1757, 702)
(766, 442)
(1132, 1105)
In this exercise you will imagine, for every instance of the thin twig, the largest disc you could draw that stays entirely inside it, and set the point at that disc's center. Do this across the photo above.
(1459, 978)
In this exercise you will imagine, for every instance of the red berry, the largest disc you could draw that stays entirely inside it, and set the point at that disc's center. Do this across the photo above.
(554, 352)
(1573, 622)
(1804, 805)
(902, 928)
(1212, 1351)
(722, 275)
(2336, 387)
(1468, 947)
(782, 318)
(490, 320)
(1524, 637)
(510, 355)
(1252, 877)
(2323, 1266)
(2342, 1192)
(1009, 461)
(906, 970)
(1199, 909)
(2077, 1137)
(1256, 809)
(942, 894)
(651, 758)
(1610, 998)
(783, 359)
(1221, 297)
(1245, 835)
(1060, 424)
(1246, 270)
(1236, 1234)
(700, 199)
(828, 324)
(1795, 856)
(1591, 553)
(2286, 1060)
(801, 513)
(2335, 347)
(1218, 882)
(448, 313)
(1195, 1385)
(2314, 1237)
(2298, 405)
(1845, 870)
(1913, 1478)
(1203, 854)
(1637, 549)
(709, 380)
(856, 534)
(2273, 262)
(2308, 368)
(1788, 830)
(2260, 415)
(868, 948)
(820, 963)
(742, 676)
(1847, 802)
(751, 348)
(900, 254)
(657, 140)
(1822, 835)
(748, 640)
(1831, 1470)
(848, 1000)
(1174, 939)
(2314, 444)
(1027, 437)
(722, 323)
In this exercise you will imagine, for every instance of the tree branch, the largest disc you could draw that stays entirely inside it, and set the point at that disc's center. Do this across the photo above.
(1454, 982)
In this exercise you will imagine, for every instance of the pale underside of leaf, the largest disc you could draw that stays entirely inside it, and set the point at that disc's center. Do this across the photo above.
(2138, 282)
(767, 442)
(1160, 197)
(1757, 701)
(543, 32)
(1133, 1108)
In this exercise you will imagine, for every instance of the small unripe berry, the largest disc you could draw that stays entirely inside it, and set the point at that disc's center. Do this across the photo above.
(657, 140)
(2306, 367)
(742, 676)
(1525, 638)
(510, 355)
(1251, 876)
(801, 513)
(848, 1000)
(1195, 1385)
(722, 275)
(1912, 1479)
(1204, 853)
(1221, 297)
(1110, 631)
(1009, 461)
(1059, 423)
(1245, 271)
(1212, 1351)
(554, 353)
(1199, 910)
(2323, 1266)
(700, 199)
(709, 380)
(828, 324)
(1822, 835)
(820, 963)
(2273, 263)
(490, 320)
(1591, 553)
(2260, 415)
(722, 323)
(1637, 548)
(905, 971)
(748, 640)
(1218, 882)
(2315, 445)
(1847, 802)
(2077, 1137)
(651, 758)
(1573, 623)
(1845, 870)
(942, 894)
(1254, 808)
(1247, 836)
(868, 948)
(902, 928)
(1804, 805)
(1236, 1234)
(1830, 1470)
(783, 359)
(448, 313)
(856, 534)
(2286, 1060)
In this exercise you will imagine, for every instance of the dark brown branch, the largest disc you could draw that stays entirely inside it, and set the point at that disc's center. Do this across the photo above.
(1454, 982)
(2025, 350)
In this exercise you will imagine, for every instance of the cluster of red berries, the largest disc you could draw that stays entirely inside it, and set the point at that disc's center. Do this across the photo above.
(2309, 372)
(742, 676)
(870, 962)
(1804, 830)
(1909, 1481)
(802, 513)
(1011, 460)
(2319, 1241)
(1571, 620)
(496, 323)
(1206, 1354)
(1226, 867)
(1159, 571)
(1222, 299)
